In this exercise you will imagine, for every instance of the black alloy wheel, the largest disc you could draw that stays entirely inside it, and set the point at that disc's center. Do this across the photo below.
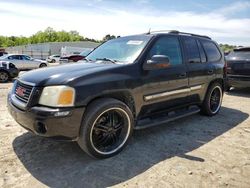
(106, 128)
(213, 100)
(110, 131)
(4, 77)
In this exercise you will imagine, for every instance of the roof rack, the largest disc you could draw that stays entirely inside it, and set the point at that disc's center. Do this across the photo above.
(178, 32)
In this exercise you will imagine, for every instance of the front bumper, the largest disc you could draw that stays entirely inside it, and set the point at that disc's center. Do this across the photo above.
(59, 123)
(238, 81)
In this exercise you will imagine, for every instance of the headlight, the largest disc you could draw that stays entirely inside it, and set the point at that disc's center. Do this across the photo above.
(57, 96)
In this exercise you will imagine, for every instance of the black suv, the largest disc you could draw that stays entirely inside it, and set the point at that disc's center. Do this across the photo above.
(238, 68)
(127, 83)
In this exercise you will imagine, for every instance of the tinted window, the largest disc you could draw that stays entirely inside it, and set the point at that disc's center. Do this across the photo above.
(168, 46)
(192, 50)
(202, 53)
(213, 53)
(14, 57)
(26, 57)
(239, 55)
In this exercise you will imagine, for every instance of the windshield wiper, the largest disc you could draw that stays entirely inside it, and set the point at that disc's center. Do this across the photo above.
(107, 59)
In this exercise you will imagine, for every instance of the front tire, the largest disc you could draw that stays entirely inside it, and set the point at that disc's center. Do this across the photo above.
(106, 128)
(213, 100)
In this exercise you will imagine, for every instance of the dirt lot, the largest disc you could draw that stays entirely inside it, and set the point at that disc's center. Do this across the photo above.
(196, 151)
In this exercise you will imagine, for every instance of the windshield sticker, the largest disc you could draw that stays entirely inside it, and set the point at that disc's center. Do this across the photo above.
(134, 42)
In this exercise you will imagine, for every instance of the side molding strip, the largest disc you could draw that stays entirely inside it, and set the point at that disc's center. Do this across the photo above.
(170, 93)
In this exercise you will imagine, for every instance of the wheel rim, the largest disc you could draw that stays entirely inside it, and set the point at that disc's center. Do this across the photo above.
(3, 76)
(110, 131)
(215, 99)
(42, 65)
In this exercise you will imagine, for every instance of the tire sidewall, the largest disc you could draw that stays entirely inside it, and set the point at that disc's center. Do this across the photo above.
(91, 114)
(43, 65)
(206, 104)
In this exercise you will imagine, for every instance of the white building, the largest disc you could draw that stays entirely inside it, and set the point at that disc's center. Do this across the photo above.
(43, 50)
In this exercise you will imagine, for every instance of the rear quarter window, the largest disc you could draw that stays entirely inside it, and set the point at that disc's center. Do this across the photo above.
(212, 51)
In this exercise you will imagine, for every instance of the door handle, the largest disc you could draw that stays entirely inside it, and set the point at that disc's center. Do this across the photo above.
(183, 75)
(210, 71)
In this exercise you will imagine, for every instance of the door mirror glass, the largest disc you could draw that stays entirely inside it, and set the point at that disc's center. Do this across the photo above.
(157, 62)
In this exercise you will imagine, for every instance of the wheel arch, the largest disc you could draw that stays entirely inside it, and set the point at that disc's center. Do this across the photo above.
(123, 96)
(218, 80)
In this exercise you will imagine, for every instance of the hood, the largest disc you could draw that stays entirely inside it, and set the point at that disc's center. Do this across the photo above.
(63, 74)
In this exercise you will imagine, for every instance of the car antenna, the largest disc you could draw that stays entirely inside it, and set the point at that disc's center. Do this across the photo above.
(149, 31)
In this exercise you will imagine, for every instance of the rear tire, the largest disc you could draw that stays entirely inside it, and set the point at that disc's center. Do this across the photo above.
(213, 100)
(4, 77)
(106, 128)
(42, 65)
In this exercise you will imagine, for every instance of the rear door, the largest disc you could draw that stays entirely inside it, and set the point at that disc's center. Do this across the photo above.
(16, 60)
(167, 87)
(200, 71)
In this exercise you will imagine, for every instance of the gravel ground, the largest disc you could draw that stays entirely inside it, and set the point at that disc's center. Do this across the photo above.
(196, 151)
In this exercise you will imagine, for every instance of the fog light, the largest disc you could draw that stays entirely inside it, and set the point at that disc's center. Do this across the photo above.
(59, 114)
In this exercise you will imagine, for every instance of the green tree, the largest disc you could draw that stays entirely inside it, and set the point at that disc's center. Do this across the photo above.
(48, 35)
(108, 37)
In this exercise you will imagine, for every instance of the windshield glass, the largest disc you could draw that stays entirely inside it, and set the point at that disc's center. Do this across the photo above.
(4, 56)
(85, 52)
(123, 50)
(239, 55)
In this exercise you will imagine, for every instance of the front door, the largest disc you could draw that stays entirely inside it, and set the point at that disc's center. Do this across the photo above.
(166, 87)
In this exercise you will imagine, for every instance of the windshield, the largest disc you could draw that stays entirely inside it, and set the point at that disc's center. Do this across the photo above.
(239, 55)
(85, 52)
(4, 56)
(123, 50)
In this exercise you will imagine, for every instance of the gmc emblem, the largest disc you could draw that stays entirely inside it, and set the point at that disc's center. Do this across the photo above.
(20, 91)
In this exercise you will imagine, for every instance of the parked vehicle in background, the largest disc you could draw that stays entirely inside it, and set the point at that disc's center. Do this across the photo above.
(3, 53)
(24, 62)
(238, 68)
(8, 71)
(69, 50)
(127, 83)
(53, 59)
(75, 58)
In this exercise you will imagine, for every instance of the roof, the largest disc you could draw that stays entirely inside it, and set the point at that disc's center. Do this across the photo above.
(246, 48)
(177, 33)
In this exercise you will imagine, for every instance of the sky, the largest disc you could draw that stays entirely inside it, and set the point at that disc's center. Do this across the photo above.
(226, 21)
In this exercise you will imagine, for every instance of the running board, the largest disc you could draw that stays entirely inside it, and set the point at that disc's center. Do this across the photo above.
(171, 116)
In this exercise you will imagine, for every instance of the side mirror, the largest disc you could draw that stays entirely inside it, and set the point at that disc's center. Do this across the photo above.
(157, 62)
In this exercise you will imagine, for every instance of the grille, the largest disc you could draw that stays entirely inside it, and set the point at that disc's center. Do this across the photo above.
(23, 92)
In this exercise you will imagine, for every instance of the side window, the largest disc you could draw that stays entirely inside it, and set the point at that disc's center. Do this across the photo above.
(202, 52)
(25, 57)
(168, 46)
(13, 57)
(213, 53)
(192, 50)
